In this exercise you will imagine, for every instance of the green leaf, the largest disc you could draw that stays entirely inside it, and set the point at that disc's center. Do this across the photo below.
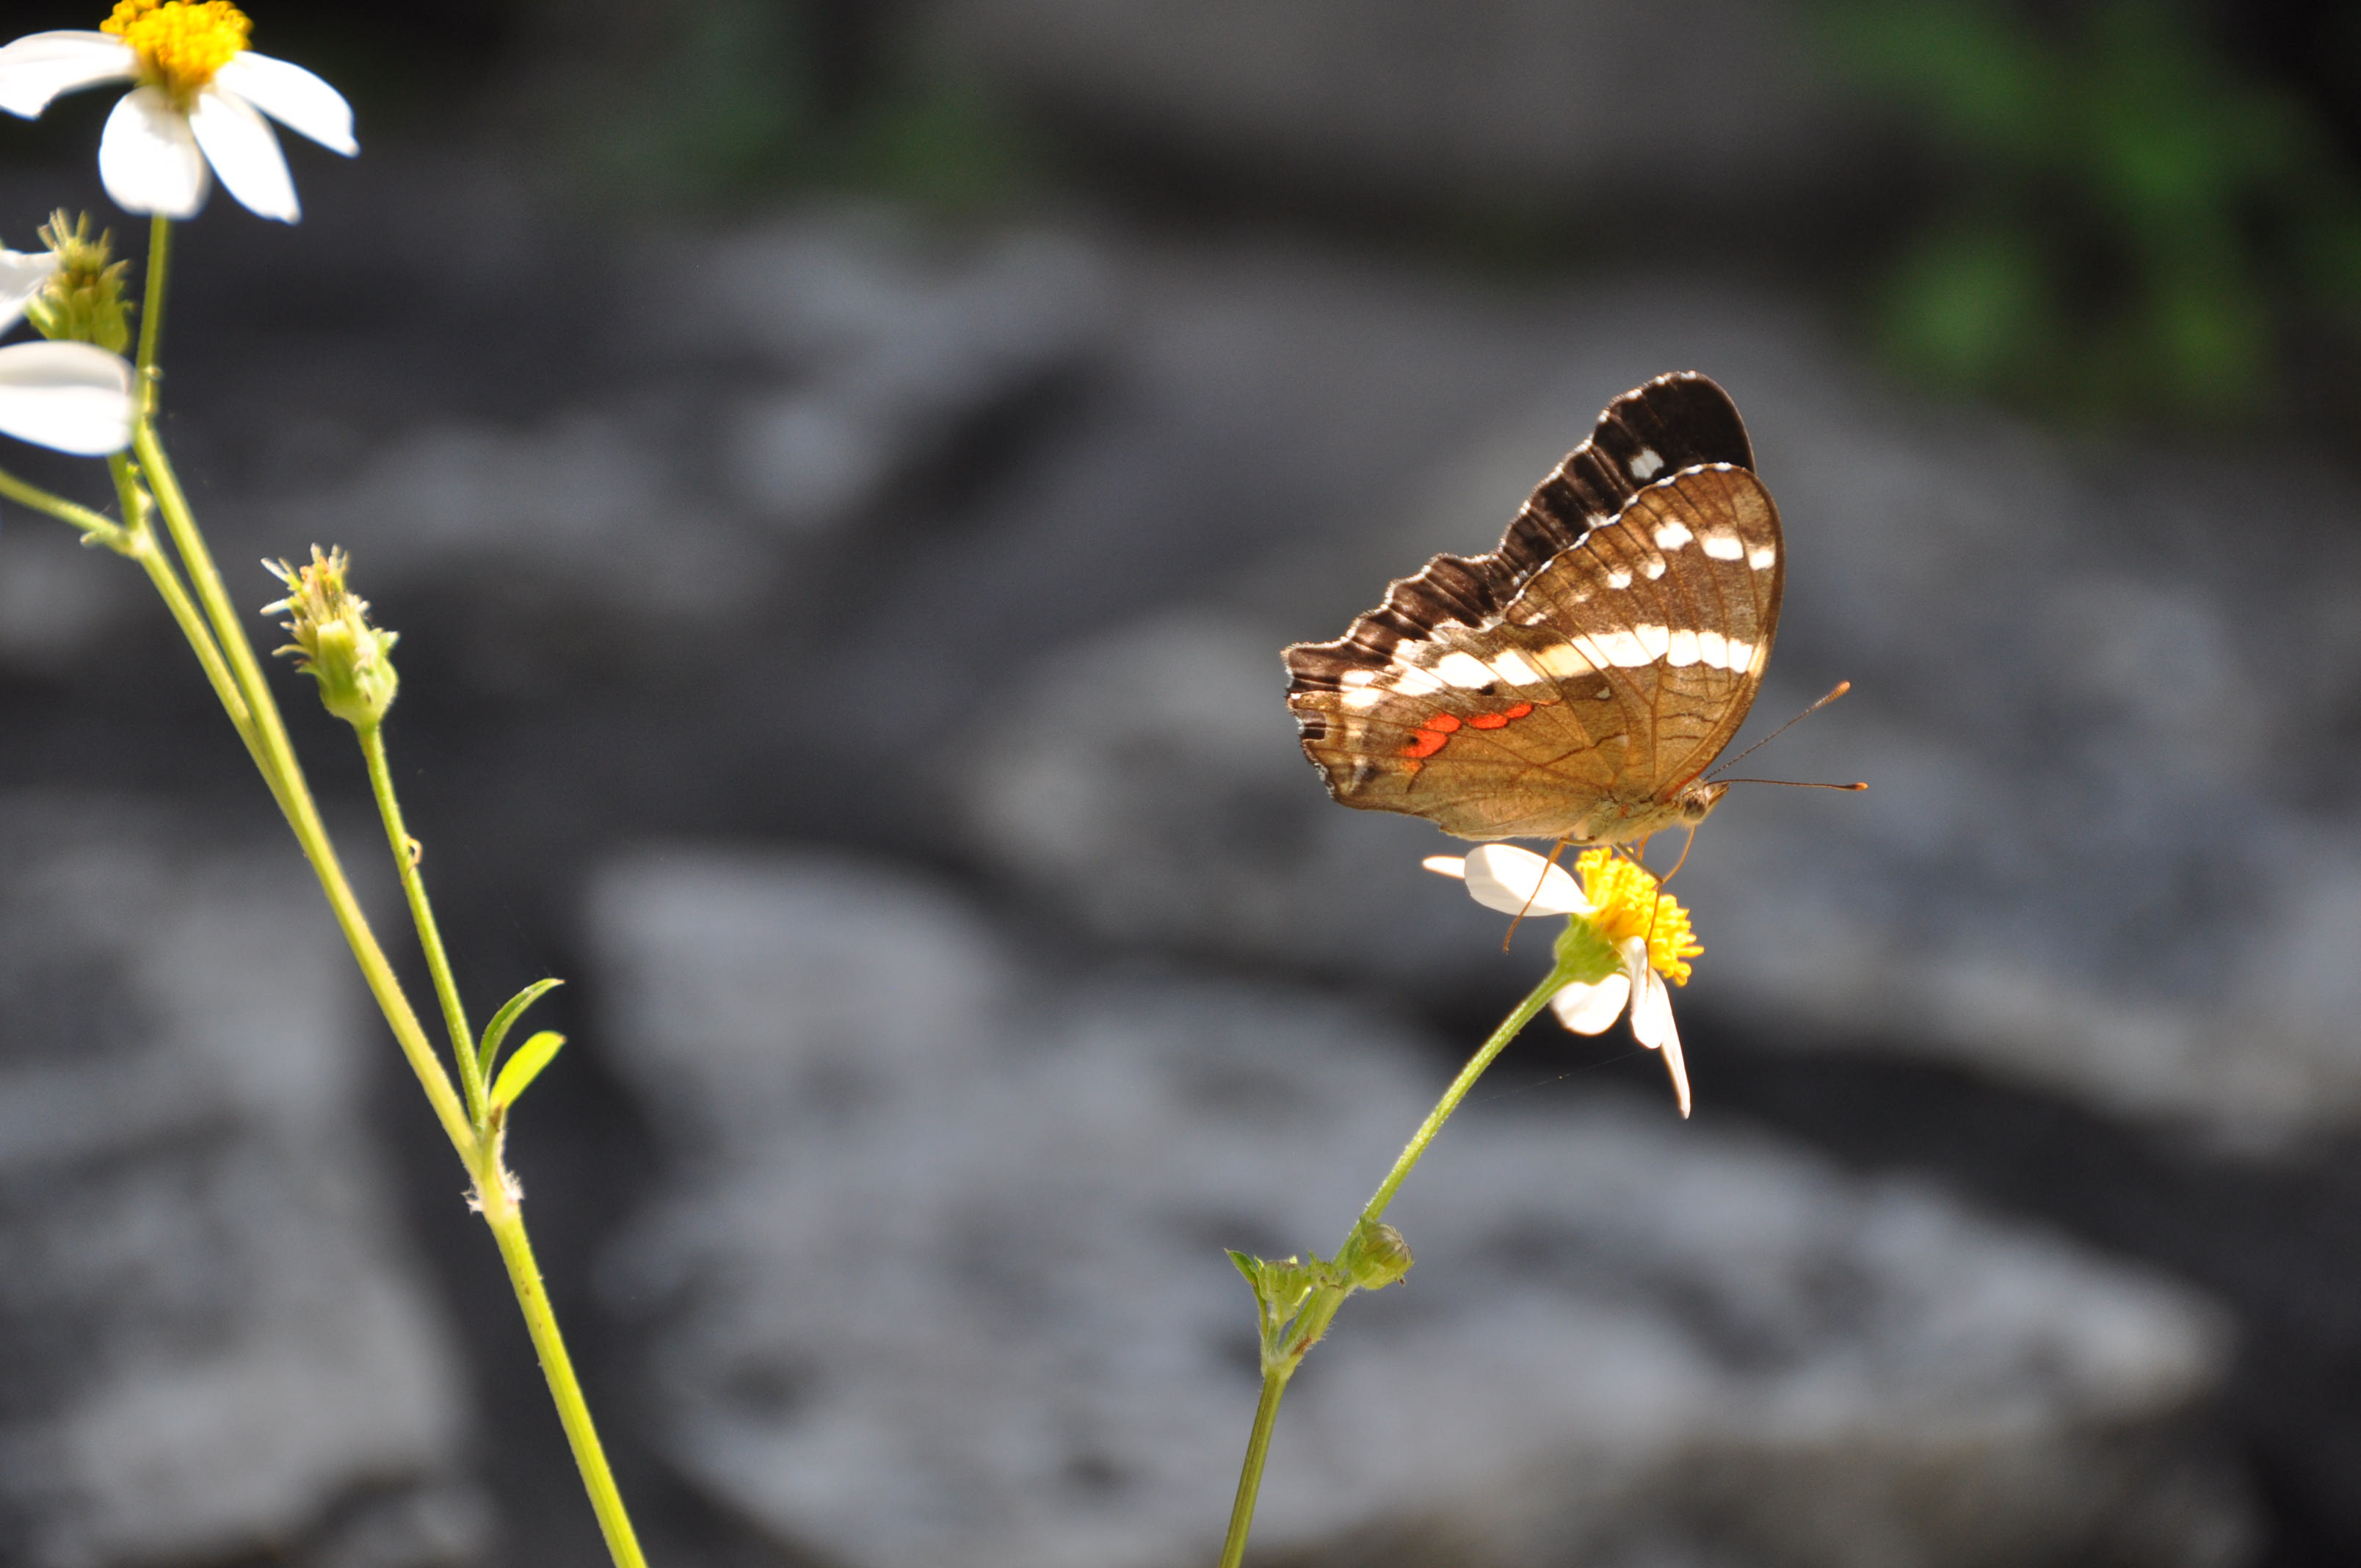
(524, 1066)
(1250, 1267)
(498, 1030)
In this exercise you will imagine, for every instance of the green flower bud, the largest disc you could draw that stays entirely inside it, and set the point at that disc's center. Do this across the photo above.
(1376, 1256)
(83, 300)
(335, 643)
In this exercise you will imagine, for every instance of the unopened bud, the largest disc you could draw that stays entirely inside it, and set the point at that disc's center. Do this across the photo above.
(335, 643)
(1376, 1256)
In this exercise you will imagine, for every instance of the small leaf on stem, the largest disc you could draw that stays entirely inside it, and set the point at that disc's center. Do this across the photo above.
(523, 1068)
(502, 1021)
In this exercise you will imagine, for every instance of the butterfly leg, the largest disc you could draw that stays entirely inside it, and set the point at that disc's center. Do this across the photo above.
(1556, 850)
(1685, 854)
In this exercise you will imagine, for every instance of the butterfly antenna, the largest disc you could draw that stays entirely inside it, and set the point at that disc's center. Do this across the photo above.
(1556, 850)
(1835, 692)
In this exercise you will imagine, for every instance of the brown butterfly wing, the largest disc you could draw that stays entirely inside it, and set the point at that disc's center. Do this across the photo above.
(1577, 702)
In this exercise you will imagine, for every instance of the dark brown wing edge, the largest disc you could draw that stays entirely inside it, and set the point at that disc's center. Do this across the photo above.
(1678, 420)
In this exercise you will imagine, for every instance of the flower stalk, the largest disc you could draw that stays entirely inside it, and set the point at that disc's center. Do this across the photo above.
(1623, 935)
(194, 109)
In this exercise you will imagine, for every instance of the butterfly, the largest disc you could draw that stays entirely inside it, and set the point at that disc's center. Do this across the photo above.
(1576, 683)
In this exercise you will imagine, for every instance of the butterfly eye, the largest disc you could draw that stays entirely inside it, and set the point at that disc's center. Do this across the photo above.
(1698, 800)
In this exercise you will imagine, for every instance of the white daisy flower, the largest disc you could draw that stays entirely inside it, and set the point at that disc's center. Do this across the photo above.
(200, 99)
(1619, 901)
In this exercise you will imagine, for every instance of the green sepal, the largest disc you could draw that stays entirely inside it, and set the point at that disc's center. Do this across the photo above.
(502, 1021)
(523, 1068)
(1584, 957)
(1281, 1286)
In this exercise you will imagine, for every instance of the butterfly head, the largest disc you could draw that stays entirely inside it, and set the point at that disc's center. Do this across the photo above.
(1696, 803)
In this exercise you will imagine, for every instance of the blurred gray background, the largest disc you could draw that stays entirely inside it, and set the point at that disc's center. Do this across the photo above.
(843, 473)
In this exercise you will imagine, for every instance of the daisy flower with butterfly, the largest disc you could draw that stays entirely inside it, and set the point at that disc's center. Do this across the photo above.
(1624, 939)
(1574, 685)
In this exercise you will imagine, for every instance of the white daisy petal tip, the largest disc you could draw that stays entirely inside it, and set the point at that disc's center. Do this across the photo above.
(1447, 865)
(22, 273)
(293, 97)
(69, 396)
(243, 151)
(38, 68)
(1653, 1027)
(1518, 882)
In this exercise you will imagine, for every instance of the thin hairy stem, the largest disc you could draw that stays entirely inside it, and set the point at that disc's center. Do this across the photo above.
(1310, 1322)
(1274, 1385)
(573, 1410)
(94, 526)
(151, 310)
(1511, 1027)
(422, 916)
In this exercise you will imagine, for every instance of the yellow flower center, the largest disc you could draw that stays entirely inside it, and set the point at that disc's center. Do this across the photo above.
(181, 43)
(1630, 904)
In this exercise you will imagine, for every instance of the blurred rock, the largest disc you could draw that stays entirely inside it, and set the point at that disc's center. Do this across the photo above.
(214, 1341)
(2109, 849)
(1176, 814)
(796, 381)
(59, 602)
(937, 1280)
(1510, 102)
(578, 518)
(889, 341)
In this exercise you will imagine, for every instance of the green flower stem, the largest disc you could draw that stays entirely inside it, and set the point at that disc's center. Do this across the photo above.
(94, 527)
(275, 756)
(1319, 1309)
(1274, 1386)
(238, 678)
(1511, 1027)
(139, 543)
(573, 1411)
(422, 916)
(151, 311)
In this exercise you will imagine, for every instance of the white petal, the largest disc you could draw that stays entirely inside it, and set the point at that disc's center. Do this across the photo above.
(1518, 882)
(71, 396)
(243, 149)
(149, 161)
(1447, 865)
(40, 66)
(1587, 1009)
(1651, 1025)
(292, 96)
(22, 273)
(1646, 989)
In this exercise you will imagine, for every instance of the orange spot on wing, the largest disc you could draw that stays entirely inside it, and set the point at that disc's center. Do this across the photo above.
(1500, 721)
(1429, 737)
